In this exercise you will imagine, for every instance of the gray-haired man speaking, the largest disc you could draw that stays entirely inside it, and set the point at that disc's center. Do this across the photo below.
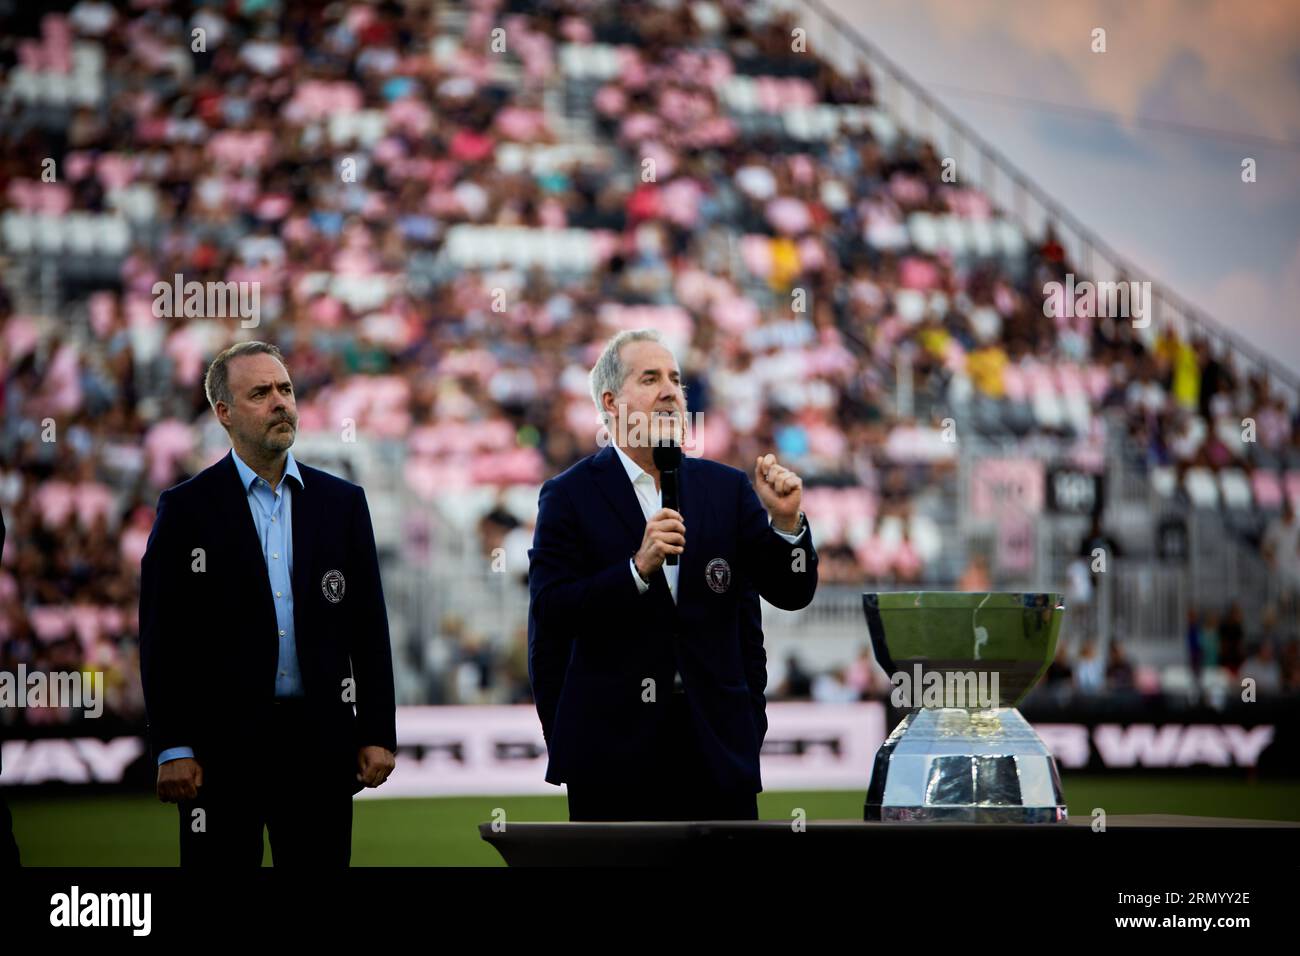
(649, 677)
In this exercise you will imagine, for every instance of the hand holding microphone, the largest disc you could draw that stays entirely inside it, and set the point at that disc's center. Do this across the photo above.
(665, 535)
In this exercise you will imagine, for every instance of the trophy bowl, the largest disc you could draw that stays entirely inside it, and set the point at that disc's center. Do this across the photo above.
(960, 663)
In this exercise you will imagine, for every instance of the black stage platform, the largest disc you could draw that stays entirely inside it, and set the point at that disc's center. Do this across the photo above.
(777, 842)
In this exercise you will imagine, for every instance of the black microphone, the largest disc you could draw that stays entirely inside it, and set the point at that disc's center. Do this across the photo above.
(668, 458)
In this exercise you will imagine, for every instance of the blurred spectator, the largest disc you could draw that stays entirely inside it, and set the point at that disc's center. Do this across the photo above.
(1119, 670)
(1089, 669)
(1060, 671)
(1232, 638)
(1264, 669)
(797, 684)
(1192, 640)
(865, 677)
(1208, 640)
(831, 687)
(1281, 550)
(975, 576)
(1099, 538)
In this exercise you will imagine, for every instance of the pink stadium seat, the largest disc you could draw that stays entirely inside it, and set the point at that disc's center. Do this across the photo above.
(1015, 383)
(1069, 378)
(756, 253)
(50, 623)
(1098, 381)
(1293, 487)
(1267, 488)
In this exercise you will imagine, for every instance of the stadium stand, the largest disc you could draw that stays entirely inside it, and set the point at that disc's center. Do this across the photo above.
(447, 208)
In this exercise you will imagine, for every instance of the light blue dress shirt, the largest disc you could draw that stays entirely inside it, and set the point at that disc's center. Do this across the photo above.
(272, 511)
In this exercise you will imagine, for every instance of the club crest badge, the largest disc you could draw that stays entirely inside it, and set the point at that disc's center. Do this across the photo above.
(332, 586)
(718, 575)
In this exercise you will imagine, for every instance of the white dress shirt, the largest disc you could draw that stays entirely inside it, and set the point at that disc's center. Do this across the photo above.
(651, 500)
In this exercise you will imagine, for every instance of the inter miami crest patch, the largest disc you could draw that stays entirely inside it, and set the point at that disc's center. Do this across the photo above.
(332, 586)
(718, 575)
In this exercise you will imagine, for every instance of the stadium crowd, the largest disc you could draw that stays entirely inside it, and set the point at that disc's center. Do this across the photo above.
(351, 160)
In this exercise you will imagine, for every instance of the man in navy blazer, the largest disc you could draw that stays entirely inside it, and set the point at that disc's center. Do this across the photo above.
(265, 659)
(649, 677)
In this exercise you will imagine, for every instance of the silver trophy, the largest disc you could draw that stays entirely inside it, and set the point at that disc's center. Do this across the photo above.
(960, 662)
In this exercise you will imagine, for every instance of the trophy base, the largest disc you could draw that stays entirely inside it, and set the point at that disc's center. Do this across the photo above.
(965, 766)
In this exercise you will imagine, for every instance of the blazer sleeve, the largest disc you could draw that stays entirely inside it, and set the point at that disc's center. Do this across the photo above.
(369, 648)
(754, 657)
(784, 573)
(166, 609)
(563, 599)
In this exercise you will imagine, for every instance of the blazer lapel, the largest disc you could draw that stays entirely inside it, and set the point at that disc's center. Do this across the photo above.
(232, 500)
(695, 509)
(613, 483)
(306, 516)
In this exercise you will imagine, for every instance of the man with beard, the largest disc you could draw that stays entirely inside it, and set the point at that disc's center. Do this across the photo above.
(265, 657)
(648, 676)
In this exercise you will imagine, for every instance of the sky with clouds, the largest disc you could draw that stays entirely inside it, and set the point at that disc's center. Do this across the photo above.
(1148, 146)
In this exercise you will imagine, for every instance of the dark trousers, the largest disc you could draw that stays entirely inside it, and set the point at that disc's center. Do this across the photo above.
(8, 845)
(682, 788)
(283, 789)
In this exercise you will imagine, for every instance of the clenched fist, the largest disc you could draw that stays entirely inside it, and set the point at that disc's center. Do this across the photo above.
(781, 492)
(179, 780)
(665, 534)
(374, 764)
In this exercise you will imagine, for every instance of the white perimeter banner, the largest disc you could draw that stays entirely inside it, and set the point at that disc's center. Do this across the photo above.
(483, 751)
(500, 750)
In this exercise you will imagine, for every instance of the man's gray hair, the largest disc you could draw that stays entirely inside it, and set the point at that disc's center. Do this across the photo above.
(610, 370)
(217, 382)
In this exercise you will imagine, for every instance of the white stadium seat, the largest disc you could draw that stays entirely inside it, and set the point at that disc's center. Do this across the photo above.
(49, 234)
(1164, 480)
(1235, 487)
(883, 128)
(925, 537)
(890, 531)
(954, 236)
(924, 230)
(1177, 679)
(982, 240)
(82, 238)
(1201, 488)
(1218, 680)
(19, 231)
(114, 235)
(910, 305)
(1012, 239)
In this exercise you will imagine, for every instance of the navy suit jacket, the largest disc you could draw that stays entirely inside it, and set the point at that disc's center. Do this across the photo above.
(594, 639)
(208, 638)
